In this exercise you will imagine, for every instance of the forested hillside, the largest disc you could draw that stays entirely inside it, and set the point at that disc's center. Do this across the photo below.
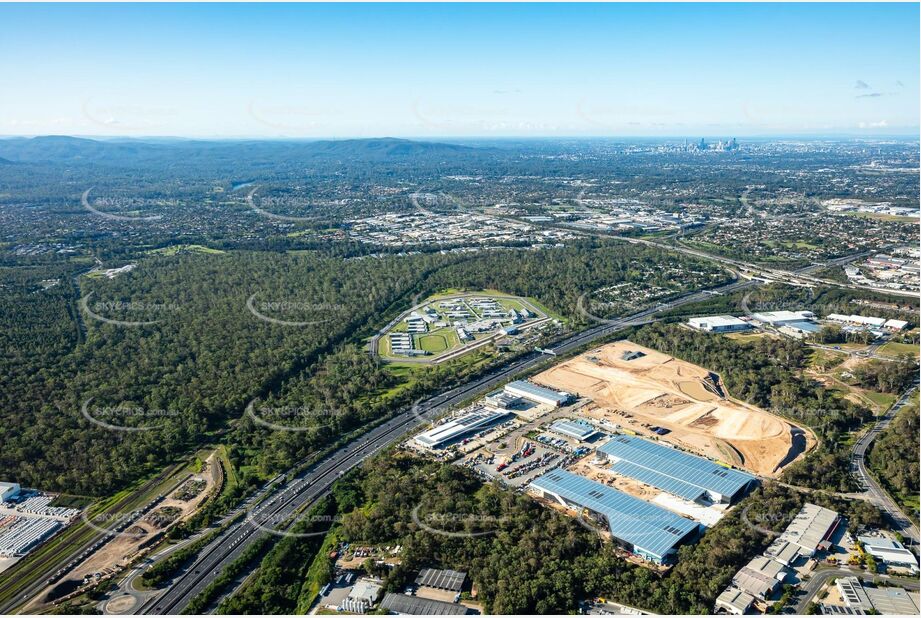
(191, 351)
(893, 457)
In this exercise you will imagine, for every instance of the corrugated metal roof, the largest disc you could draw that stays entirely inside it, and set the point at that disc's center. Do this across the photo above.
(809, 527)
(537, 391)
(672, 470)
(417, 606)
(646, 526)
(575, 429)
(443, 579)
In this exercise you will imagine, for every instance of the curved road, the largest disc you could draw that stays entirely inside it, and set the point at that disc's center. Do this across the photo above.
(877, 495)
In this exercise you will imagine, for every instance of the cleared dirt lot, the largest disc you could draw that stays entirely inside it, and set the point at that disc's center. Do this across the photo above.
(689, 401)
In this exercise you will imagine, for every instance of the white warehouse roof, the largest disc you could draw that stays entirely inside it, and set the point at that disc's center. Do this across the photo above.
(717, 321)
(780, 317)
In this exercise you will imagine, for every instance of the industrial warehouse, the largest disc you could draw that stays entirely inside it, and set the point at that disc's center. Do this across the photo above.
(648, 495)
(645, 530)
(686, 476)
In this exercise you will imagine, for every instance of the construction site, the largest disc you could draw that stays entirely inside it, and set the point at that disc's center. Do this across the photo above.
(652, 394)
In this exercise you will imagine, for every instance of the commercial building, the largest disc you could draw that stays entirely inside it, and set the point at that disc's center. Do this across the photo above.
(644, 529)
(501, 400)
(580, 430)
(890, 552)
(442, 579)
(8, 491)
(719, 324)
(362, 596)
(811, 529)
(417, 606)
(889, 600)
(734, 601)
(783, 552)
(457, 428)
(852, 593)
(537, 394)
(895, 324)
(779, 318)
(893, 601)
(761, 577)
(859, 319)
(682, 474)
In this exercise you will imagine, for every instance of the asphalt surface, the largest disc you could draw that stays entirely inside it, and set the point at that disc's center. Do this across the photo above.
(303, 490)
(30, 575)
(820, 576)
(878, 496)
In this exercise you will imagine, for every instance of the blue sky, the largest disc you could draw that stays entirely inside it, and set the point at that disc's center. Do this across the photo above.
(231, 70)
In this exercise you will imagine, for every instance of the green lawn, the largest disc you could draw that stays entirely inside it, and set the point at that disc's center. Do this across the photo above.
(174, 249)
(895, 349)
(434, 343)
(883, 400)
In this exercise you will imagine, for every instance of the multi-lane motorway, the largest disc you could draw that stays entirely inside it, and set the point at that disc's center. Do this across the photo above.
(303, 490)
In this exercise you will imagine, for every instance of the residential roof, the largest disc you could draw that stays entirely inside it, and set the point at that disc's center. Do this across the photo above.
(643, 525)
(443, 579)
(685, 475)
(417, 606)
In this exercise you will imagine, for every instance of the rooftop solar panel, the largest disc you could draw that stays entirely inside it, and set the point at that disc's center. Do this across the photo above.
(672, 470)
(646, 526)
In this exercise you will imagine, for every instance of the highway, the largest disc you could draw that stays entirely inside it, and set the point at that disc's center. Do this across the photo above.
(315, 482)
(878, 496)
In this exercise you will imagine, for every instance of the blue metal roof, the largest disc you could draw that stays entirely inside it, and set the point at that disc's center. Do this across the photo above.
(672, 470)
(645, 526)
(576, 429)
(658, 480)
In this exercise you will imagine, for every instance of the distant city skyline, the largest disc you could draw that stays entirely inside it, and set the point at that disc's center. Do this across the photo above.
(463, 71)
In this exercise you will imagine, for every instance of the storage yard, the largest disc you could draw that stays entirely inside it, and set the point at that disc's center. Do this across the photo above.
(650, 393)
(27, 519)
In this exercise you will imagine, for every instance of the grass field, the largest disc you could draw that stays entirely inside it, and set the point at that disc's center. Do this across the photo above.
(896, 349)
(174, 249)
(883, 400)
(433, 343)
